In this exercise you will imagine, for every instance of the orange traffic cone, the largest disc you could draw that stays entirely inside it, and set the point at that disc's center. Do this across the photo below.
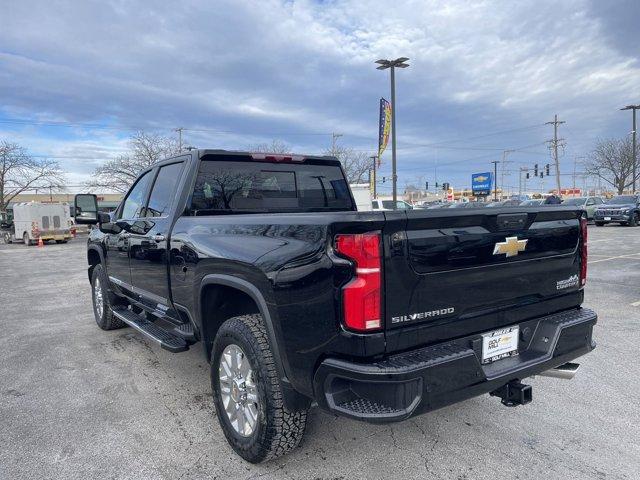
(40, 242)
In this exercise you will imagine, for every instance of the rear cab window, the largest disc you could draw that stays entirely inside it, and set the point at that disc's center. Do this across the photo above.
(239, 184)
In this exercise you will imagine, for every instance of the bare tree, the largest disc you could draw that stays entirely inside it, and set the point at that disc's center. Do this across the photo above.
(612, 161)
(145, 150)
(276, 146)
(356, 164)
(20, 172)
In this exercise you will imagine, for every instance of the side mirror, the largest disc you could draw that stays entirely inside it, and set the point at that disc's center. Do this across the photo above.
(85, 206)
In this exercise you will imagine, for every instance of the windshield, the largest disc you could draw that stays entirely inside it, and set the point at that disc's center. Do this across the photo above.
(574, 201)
(622, 199)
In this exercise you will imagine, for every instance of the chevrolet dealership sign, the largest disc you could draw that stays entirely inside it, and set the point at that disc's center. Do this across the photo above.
(481, 183)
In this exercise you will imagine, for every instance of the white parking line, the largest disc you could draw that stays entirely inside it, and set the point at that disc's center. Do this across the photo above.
(636, 304)
(631, 256)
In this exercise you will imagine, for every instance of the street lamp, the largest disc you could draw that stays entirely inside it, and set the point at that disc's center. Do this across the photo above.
(383, 65)
(634, 108)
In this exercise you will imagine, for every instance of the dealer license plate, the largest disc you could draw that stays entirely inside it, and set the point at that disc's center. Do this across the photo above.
(607, 218)
(500, 344)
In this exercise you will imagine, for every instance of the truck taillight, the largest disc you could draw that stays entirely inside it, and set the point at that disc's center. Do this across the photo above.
(583, 252)
(361, 297)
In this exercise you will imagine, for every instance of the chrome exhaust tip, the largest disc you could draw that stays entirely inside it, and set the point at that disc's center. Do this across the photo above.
(566, 371)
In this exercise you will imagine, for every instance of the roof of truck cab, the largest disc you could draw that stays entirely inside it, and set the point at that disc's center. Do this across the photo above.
(207, 151)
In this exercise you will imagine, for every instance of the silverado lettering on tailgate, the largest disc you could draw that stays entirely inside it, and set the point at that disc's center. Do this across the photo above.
(422, 315)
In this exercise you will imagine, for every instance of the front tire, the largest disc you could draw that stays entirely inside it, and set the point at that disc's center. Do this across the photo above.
(248, 395)
(633, 220)
(102, 300)
(25, 239)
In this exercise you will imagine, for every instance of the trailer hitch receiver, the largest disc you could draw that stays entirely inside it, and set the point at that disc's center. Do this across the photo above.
(513, 394)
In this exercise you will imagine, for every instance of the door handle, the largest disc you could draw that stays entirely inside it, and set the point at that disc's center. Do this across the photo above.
(158, 238)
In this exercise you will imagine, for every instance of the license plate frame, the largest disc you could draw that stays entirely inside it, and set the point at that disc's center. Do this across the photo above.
(499, 344)
(607, 218)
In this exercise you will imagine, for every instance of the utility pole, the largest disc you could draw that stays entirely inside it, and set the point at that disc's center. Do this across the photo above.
(392, 64)
(520, 181)
(495, 177)
(374, 158)
(502, 165)
(575, 161)
(179, 130)
(635, 153)
(554, 143)
(334, 137)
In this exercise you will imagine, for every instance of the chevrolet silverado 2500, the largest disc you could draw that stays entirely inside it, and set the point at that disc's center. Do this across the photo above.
(298, 299)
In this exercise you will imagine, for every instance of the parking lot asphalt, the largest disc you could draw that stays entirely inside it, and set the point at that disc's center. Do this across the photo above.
(78, 403)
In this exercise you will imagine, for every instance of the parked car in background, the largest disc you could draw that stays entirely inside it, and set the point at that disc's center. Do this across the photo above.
(623, 209)
(468, 205)
(388, 205)
(504, 203)
(588, 204)
(532, 203)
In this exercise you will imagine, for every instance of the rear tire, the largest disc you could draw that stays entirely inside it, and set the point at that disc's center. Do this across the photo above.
(25, 239)
(102, 300)
(633, 220)
(275, 430)
(61, 241)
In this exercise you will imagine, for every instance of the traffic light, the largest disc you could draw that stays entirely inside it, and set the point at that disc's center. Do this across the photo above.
(445, 186)
(541, 175)
(426, 185)
(535, 170)
(384, 179)
(527, 175)
(436, 184)
(546, 168)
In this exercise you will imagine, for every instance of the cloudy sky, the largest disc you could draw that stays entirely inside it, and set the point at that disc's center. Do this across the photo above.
(76, 78)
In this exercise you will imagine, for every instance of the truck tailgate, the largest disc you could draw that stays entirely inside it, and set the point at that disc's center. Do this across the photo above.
(449, 274)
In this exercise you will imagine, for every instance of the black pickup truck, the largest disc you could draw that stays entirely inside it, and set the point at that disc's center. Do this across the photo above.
(298, 299)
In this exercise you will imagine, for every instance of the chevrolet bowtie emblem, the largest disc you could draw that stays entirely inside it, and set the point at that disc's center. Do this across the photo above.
(510, 247)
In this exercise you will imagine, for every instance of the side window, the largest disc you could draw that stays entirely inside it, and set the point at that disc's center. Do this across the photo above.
(163, 190)
(134, 202)
(56, 221)
(45, 223)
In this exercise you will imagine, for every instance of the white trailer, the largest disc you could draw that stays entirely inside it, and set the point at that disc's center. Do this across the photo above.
(33, 221)
(362, 195)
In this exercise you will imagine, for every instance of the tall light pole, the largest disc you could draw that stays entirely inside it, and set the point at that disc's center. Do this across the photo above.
(374, 158)
(633, 132)
(392, 64)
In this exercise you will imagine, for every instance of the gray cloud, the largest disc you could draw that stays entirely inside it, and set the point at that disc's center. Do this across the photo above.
(258, 69)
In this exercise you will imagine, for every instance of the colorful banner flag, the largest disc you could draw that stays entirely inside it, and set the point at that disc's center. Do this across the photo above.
(385, 126)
